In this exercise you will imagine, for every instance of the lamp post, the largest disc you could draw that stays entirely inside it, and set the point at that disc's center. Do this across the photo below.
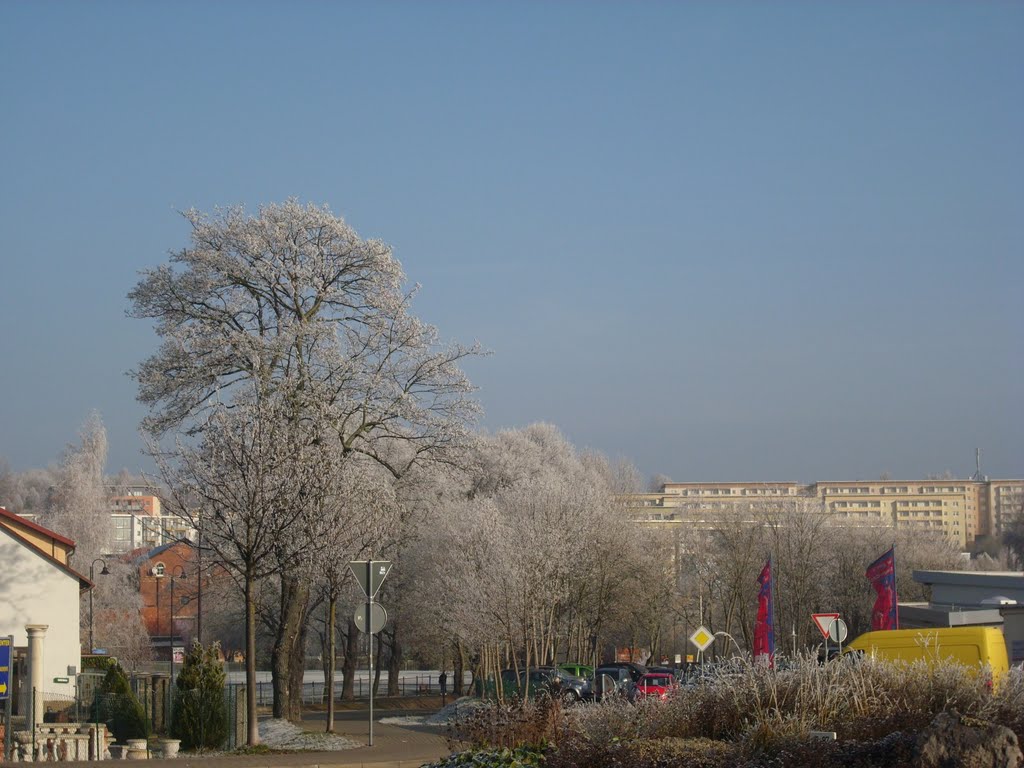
(175, 576)
(179, 577)
(739, 651)
(92, 575)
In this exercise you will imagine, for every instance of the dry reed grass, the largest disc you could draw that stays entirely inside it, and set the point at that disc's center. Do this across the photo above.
(756, 716)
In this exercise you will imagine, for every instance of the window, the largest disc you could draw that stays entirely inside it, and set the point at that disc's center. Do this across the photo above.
(122, 529)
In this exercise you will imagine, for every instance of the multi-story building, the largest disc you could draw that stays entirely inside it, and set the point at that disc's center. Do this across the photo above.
(139, 521)
(949, 506)
(961, 509)
(1000, 501)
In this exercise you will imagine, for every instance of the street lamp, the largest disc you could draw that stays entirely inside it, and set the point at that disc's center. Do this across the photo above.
(92, 576)
(739, 651)
(182, 576)
(177, 573)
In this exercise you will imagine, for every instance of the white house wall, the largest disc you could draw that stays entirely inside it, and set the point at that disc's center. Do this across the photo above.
(34, 590)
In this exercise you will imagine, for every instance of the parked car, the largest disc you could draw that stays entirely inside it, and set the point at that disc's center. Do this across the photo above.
(665, 671)
(613, 681)
(636, 671)
(656, 685)
(548, 680)
(578, 670)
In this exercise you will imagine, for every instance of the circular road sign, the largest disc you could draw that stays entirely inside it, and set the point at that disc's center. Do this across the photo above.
(378, 618)
(837, 631)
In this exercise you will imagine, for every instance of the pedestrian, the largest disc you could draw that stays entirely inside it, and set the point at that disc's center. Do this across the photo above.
(442, 680)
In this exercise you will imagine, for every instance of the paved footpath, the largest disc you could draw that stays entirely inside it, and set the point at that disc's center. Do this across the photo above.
(393, 747)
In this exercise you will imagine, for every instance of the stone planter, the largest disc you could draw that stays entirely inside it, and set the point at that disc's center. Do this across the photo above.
(169, 747)
(138, 749)
(118, 751)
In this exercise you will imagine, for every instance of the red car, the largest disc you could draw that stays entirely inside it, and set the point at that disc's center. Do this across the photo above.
(656, 685)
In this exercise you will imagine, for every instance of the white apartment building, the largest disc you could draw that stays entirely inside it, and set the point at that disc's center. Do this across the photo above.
(139, 521)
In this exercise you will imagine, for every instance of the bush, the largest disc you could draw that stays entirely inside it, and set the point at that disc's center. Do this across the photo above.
(521, 757)
(200, 714)
(757, 717)
(1007, 706)
(644, 753)
(118, 708)
(510, 724)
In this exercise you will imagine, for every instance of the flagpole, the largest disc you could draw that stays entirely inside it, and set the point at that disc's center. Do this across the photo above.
(771, 571)
(895, 589)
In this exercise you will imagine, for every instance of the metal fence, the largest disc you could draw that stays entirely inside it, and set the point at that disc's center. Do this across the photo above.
(150, 702)
(153, 692)
(425, 684)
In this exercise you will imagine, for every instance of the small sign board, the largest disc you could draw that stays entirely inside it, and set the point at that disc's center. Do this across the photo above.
(370, 574)
(822, 621)
(378, 618)
(6, 645)
(702, 638)
(61, 680)
(837, 631)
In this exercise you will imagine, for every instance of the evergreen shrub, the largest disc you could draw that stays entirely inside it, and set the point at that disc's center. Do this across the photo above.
(118, 707)
(200, 712)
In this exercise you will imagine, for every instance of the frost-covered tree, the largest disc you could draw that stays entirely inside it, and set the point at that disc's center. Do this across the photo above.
(292, 305)
(79, 507)
(244, 486)
(819, 560)
(527, 557)
(360, 513)
(27, 492)
(116, 623)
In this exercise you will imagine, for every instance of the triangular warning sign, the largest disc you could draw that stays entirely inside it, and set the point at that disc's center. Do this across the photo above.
(823, 621)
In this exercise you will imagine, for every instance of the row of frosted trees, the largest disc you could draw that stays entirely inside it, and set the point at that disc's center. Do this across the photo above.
(302, 417)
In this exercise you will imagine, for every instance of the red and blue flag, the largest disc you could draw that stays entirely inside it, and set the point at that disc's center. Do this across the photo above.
(882, 575)
(764, 626)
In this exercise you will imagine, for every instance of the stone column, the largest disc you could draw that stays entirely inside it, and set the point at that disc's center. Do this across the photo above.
(36, 635)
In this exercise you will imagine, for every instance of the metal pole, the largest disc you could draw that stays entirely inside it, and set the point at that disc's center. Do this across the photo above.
(172, 632)
(199, 587)
(369, 640)
(92, 576)
(8, 729)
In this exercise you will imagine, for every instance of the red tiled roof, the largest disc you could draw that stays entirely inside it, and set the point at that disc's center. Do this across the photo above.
(35, 527)
(83, 582)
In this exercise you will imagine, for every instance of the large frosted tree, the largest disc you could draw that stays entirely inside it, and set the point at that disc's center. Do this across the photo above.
(79, 507)
(291, 305)
(527, 559)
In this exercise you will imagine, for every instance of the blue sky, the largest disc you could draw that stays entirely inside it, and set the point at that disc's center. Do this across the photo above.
(728, 241)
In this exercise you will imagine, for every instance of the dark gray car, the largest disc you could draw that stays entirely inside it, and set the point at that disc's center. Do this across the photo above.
(556, 682)
(613, 681)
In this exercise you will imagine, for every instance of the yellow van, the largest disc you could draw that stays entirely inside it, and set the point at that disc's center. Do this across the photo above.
(970, 646)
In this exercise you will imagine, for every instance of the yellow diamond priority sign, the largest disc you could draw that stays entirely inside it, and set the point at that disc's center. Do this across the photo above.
(702, 638)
